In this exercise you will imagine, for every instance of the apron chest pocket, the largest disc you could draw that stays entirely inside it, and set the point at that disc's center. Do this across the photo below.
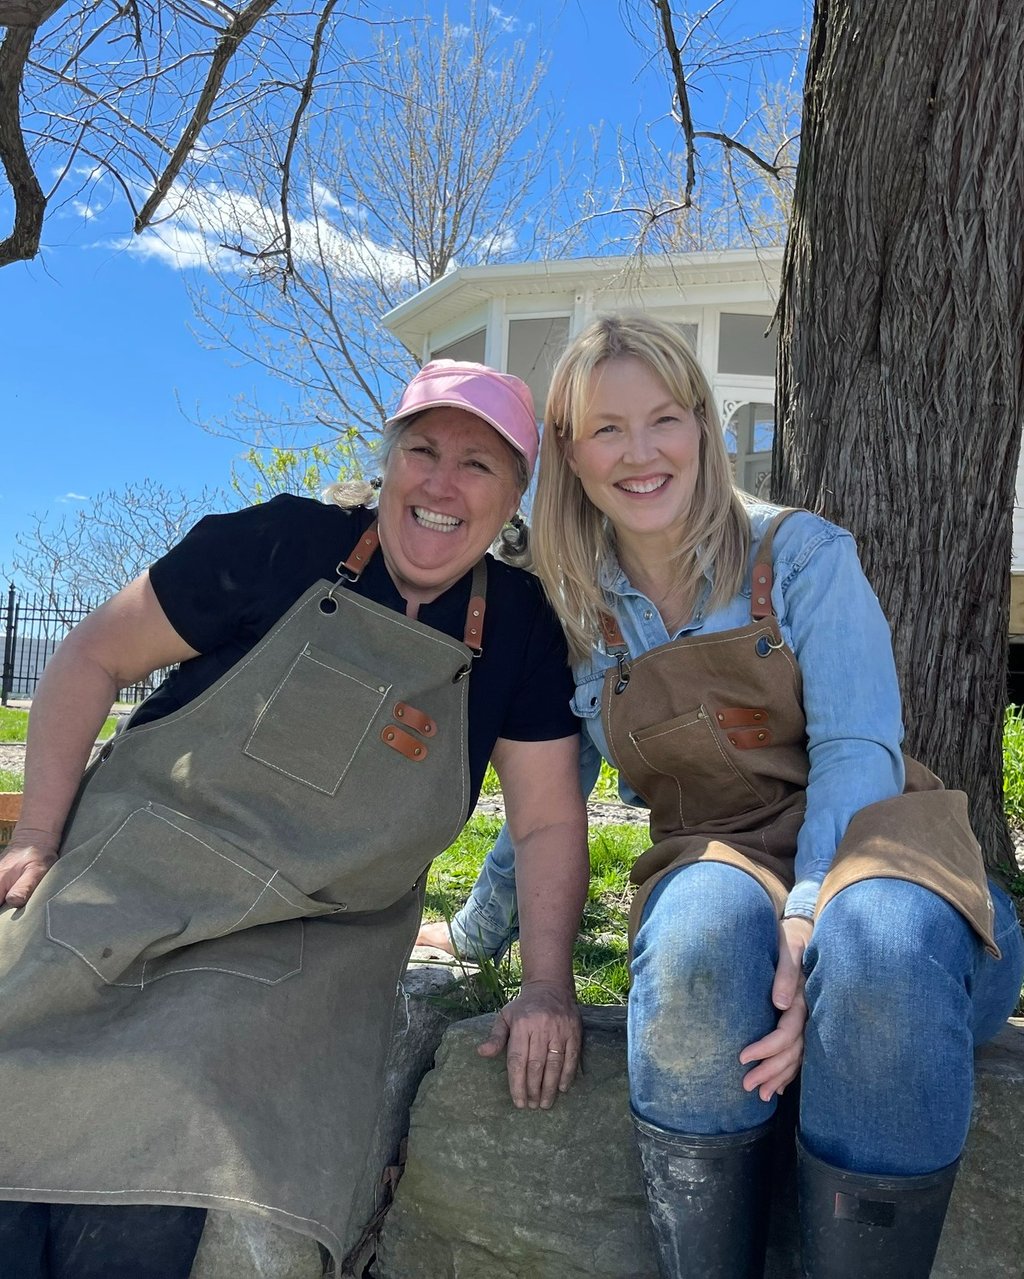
(316, 720)
(687, 749)
(164, 895)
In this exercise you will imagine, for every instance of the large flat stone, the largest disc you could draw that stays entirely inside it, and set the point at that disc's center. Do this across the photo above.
(490, 1192)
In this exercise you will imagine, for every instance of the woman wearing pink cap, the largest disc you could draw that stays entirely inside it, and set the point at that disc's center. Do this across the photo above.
(234, 886)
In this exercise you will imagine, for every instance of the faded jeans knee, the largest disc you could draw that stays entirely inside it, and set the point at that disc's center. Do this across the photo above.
(898, 989)
(703, 965)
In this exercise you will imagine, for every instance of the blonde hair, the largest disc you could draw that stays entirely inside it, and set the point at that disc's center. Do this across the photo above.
(572, 540)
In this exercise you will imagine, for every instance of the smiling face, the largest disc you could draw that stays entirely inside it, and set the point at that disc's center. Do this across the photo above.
(636, 452)
(450, 484)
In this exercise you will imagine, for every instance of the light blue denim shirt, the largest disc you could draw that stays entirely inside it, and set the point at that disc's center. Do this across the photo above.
(830, 618)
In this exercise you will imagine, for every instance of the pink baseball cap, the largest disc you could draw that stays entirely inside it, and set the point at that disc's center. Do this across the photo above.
(501, 399)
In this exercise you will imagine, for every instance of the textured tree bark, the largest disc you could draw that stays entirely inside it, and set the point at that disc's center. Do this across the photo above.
(901, 367)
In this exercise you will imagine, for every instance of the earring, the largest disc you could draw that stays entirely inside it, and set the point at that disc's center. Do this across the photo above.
(515, 536)
(377, 482)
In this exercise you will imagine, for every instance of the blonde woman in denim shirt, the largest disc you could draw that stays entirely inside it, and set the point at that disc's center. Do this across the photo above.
(810, 894)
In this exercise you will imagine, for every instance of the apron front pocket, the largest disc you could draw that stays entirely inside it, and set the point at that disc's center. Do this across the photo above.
(316, 720)
(687, 750)
(163, 893)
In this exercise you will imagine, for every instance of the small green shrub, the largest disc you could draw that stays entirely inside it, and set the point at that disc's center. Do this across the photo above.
(1013, 765)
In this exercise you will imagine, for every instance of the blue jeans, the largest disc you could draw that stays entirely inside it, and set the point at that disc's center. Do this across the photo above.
(899, 992)
(98, 1241)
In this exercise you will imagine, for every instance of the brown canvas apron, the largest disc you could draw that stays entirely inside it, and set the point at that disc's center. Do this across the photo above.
(709, 730)
(197, 1001)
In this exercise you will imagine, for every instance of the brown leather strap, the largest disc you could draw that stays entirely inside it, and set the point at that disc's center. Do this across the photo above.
(610, 632)
(473, 637)
(399, 740)
(763, 577)
(361, 554)
(740, 716)
(748, 739)
(415, 719)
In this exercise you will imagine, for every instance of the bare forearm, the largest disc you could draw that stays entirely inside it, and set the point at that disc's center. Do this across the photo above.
(552, 871)
(73, 699)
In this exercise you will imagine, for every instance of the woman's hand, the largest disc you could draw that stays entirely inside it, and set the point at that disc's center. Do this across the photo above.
(779, 1053)
(541, 1032)
(25, 861)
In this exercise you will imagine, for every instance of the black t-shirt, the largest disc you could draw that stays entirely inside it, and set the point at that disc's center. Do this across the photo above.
(233, 576)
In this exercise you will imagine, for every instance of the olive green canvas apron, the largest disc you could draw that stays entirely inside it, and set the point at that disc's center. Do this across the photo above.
(196, 1004)
(709, 730)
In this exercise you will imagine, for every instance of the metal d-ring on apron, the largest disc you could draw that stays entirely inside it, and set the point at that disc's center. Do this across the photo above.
(197, 1001)
(709, 730)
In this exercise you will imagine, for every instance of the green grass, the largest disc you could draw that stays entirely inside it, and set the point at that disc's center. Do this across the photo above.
(11, 781)
(14, 725)
(607, 787)
(600, 961)
(1013, 766)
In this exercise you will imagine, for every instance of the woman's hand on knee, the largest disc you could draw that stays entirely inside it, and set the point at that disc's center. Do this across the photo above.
(541, 1033)
(779, 1054)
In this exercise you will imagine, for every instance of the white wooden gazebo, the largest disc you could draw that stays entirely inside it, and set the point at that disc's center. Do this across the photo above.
(517, 317)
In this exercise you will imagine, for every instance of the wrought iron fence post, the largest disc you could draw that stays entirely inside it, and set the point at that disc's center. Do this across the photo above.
(7, 678)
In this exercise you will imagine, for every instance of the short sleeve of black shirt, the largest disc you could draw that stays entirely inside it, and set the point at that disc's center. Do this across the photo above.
(233, 576)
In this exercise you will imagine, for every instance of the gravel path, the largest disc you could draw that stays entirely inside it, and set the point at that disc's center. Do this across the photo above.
(12, 756)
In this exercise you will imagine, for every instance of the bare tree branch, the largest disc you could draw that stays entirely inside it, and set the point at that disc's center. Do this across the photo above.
(293, 132)
(227, 46)
(22, 21)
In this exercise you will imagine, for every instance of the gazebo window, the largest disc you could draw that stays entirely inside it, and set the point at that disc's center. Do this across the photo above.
(534, 346)
(743, 347)
(470, 347)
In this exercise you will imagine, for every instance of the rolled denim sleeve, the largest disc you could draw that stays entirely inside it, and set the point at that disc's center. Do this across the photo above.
(851, 698)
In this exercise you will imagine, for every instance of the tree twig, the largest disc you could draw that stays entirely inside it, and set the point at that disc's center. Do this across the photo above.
(29, 200)
(228, 44)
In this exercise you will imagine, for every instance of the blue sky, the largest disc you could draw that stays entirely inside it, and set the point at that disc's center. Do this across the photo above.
(101, 371)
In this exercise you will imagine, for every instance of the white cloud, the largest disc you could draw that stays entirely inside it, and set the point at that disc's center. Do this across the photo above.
(496, 244)
(459, 30)
(83, 210)
(508, 22)
(207, 218)
(72, 497)
(324, 199)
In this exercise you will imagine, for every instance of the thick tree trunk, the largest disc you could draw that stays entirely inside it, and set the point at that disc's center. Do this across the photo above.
(901, 367)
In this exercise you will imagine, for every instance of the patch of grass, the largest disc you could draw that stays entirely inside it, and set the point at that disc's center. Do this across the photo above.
(599, 957)
(11, 781)
(14, 725)
(1013, 765)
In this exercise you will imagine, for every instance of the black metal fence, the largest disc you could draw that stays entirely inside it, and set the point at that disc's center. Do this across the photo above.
(33, 626)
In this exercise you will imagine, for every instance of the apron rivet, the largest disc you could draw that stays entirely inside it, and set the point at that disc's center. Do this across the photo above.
(418, 750)
(761, 581)
(389, 737)
(721, 718)
(399, 712)
(760, 737)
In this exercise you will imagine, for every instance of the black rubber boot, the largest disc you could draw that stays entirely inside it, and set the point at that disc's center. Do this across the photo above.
(857, 1226)
(708, 1200)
